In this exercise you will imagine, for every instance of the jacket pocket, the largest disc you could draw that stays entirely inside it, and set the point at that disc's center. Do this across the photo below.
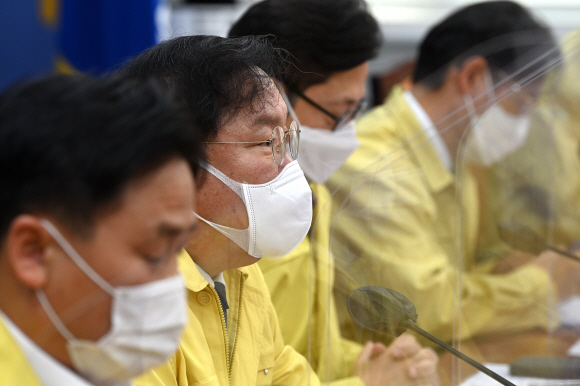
(266, 361)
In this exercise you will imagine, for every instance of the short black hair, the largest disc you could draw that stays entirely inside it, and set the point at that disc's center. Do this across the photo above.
(69, 144)
(322, 36)
(503, 32)
(211, 74)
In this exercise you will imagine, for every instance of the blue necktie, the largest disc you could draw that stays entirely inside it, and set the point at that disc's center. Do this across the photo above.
(220, 288)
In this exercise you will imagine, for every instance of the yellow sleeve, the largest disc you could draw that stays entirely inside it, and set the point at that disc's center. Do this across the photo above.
(290, 368)
(351, 381)
(300, 285)
(163, 375)
(293, 369)
(388, 232)
(190, 365)
(349, 351)
(287, 279)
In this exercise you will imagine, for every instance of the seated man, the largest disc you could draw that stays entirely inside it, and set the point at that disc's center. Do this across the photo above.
(254, 201)
(331, 42)
(95, 204)
(407, 218)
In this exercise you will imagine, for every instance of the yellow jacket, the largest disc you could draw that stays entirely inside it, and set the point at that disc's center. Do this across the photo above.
(250, 352)
(301, 286)
(14, 367)
(394, 226)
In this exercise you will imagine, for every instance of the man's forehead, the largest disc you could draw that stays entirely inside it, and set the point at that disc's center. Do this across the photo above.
(268, 108)
(274, 112)
(340, 94)
(268, 120)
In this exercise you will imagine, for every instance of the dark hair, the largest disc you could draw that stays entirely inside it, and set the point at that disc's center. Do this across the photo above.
(503, 32)
(211, 74)
(322, 36)
(69, 144)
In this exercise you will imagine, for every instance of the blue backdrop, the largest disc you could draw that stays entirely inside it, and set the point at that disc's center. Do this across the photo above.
(89, 36)
(27, 45)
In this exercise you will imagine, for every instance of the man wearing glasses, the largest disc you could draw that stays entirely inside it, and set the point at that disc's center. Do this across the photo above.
(330, 42)
(254, 202)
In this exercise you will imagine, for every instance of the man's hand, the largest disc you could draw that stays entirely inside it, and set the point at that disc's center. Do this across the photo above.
(403, 363)
(564, 271)
(512, 261)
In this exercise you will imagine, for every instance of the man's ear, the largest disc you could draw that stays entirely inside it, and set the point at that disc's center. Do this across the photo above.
(27, 249)
(471, 76)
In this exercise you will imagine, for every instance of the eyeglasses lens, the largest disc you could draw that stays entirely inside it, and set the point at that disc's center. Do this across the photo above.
(352, 114)
(278, 148)
(294, 140)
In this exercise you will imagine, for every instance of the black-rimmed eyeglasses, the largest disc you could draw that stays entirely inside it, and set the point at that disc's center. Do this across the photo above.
(350, 114)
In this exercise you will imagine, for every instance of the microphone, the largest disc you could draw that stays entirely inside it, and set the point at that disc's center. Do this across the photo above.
(382, 309)
(520, 237)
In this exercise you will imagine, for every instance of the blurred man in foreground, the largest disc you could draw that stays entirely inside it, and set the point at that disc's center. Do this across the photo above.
(96, 201)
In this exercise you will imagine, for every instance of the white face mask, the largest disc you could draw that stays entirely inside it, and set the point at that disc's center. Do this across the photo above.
(146, 325)
(496, 133)
(279, 212)
(322, 152)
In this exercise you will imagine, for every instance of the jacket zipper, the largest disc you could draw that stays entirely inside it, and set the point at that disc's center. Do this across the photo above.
(242, 281)
(225, 331)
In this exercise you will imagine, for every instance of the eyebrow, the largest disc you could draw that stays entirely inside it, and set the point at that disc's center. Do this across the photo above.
(347, 101)
(167, 229)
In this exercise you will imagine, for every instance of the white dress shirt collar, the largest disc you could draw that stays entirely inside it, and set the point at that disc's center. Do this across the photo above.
(212, 280)
(49, 371)
(430, 130)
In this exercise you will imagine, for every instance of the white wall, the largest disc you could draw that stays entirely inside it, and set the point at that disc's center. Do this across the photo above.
(403, 22)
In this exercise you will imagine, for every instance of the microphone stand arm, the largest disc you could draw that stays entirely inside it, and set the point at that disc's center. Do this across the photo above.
(412, 326)
(563, 252)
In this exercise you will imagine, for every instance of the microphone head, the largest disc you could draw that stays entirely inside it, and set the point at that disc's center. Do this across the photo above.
(381, 309)
(521, 237)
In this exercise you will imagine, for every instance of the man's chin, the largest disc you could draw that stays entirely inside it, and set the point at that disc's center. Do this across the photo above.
(240, 258)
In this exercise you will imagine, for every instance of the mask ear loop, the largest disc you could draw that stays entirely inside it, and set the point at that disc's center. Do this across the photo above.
(52, 315)
(489, 90)
(82, 264)
(76, 258)
(233, 185)
(470, 107)
(489, 86)
(474, 118)
(238, 236)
